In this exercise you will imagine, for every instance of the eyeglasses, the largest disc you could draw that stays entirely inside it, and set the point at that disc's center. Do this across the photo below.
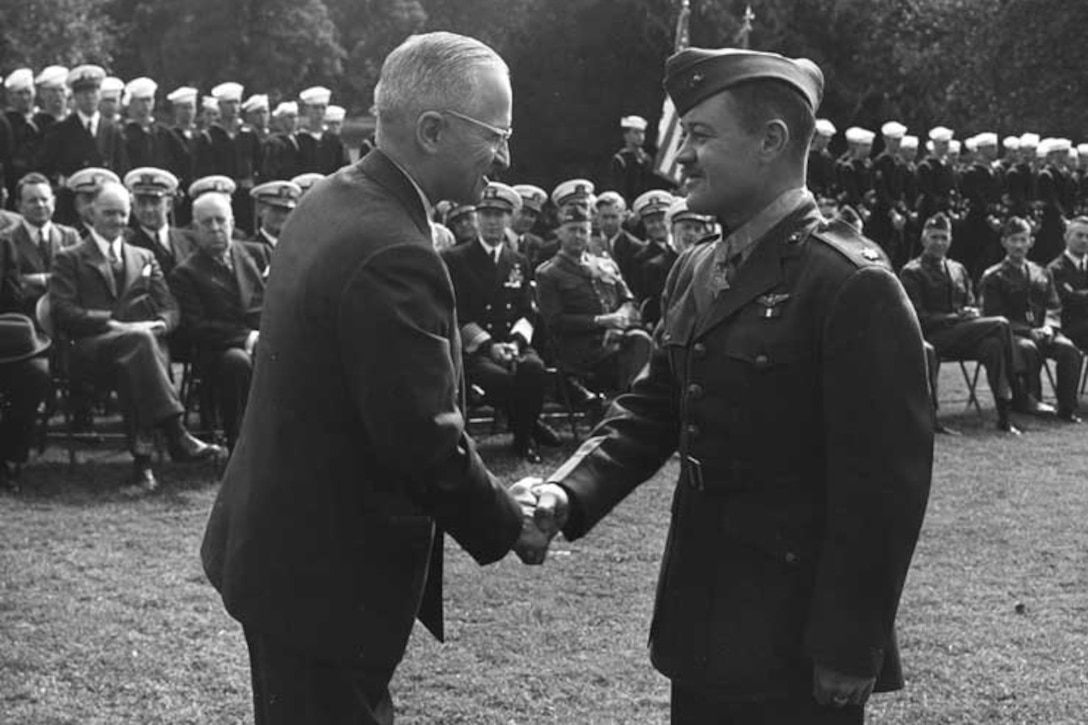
(503, 134)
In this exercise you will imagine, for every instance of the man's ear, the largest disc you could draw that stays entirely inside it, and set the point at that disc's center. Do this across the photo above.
(429, 129)
(776, 137)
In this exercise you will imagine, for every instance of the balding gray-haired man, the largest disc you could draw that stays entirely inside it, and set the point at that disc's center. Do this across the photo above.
(353, 448)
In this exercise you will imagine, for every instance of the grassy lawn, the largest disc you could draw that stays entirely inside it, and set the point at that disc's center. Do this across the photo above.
(105, 616)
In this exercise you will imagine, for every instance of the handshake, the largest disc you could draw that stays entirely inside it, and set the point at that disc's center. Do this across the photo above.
(545, 508)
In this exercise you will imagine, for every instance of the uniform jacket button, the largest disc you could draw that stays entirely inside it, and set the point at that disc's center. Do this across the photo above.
(791, 558)
(699, 349)
(693, 431)
(762, 360)
(695, 390)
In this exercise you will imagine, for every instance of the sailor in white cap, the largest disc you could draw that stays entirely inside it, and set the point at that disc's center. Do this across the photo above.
(181, 147)
(275, 201)
(978, 240)
(146, 141)
(334, 119)
(52, 85)
(1054, 193)
(257, 113)
(83, 139)
(26, 136)
(209, 113)
(631, 168)
(109, 97)
(821, 163)
(853, 171)
(153, 194)
(281, 149)
(908, 151)
(230, 148)
(888, 211)
(936, 175)
(496, 310)
(319, 151)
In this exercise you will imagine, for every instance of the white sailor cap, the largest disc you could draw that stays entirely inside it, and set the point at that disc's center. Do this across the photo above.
(893, 129)
(1011, 143)
(55, 76)
(678, 212)
(856, 134)
(1042, 148)
(909, 142)
(637, 123)
(971, 143)
(210, 103)
(1061, 144)
(1029, 140)
(287, 108)
(824, 127)
(19, 79)
(85, 76)
(229, 91)
(940, 133)
(954, 146)
(111, 87)
(315, 95)
(1082, 149)
(184, 94)
(611, 198)
(255, 102)
(141, 88)
(335, 114)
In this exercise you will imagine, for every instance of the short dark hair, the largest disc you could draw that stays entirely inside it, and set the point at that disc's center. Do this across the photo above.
(31, 179)
(763, 100)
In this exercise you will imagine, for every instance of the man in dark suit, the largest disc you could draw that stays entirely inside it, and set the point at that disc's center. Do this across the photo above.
(1025, 294)
(24, 371)
(111, 300)
(82, 139)
(611, 239)
(220, 290)
(37, 240)
(153, 193)
(495, 308)
(944, 300)
(327, 558)
(1069, 270)
(26, 137)
(788, 550)
(651, 208)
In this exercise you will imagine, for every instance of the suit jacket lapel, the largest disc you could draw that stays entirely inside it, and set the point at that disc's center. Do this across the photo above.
(133, 267)
(245, 271)
(382, 169)
(28, 249)
(100, 264)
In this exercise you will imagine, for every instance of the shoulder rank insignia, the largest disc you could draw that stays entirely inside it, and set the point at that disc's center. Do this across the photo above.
(772, 305)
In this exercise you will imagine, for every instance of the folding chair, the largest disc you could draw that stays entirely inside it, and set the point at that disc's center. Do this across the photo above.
(971, 380)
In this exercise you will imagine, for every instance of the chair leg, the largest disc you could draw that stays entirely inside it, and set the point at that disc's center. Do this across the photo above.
(971, 380)
(1050, 377)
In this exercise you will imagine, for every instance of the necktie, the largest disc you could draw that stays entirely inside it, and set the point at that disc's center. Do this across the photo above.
(43, 247)
(90, 129)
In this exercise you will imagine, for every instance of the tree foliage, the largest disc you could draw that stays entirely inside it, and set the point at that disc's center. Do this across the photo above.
(578, 65)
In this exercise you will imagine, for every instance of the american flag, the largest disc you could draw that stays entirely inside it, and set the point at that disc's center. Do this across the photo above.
(669, 134)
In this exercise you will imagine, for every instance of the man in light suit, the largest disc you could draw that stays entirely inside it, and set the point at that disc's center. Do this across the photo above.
(220, 290)
(111, 300)
(325, 540)
(37, 240)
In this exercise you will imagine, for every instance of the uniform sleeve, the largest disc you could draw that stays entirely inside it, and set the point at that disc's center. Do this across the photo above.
(879, 461)
(401, 371)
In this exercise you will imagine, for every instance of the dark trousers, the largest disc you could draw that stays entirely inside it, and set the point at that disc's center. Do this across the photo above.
(290, 688)
(519, 391)
(986, 339)
(23, 387)
(230, 374)
(1078, 333)
(1060, 349)
(692, 707)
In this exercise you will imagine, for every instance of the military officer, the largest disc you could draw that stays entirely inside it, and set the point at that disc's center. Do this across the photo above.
(111, 300)
(36, 240)
(589, 311)
(462, 222)
(935, 176)
(109, 99)
(306, 181)
(787, 551)
(686, 229)
(573, 192)
(318, 151)
(1025, 294)
(650, 209)
(495, 309)
(230, 148)
(26, 135)
(631, 169)
(83, 139)
(1070, 276)
(153, 193)
(255, 113)
(943, 297)
(52, 85)
(980, 188)
(525, 221)
(611, 239)
(220, 292)
(821, 164)
(275, 200)
(146, 142)
(83, 185)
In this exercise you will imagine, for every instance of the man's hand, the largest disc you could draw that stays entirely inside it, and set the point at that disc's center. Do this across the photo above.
(503, 353)
(545, 507)
(837, 689)
(251, 342)
(970, 313)
(155, 327)
(613, 321)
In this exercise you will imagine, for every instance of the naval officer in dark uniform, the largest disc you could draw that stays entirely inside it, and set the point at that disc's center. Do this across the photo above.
(788, 551)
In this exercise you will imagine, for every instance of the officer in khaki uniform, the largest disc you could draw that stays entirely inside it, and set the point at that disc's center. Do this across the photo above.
(495, 309)
(1025, 294)
(800, 500)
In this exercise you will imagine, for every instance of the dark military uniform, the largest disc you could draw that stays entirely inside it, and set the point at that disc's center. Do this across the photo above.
(936, 187)
(624, 248)
(1028, 298)
(281, 157)
(821, 173)
(631, 172)
(1019, 189)
(180, 146)
(941, 291)
(1071, 282)
(26, 139)
(978, 245)
(68, 147)
(650, 268)
(148, 146)
(785, 547)
(855, 180)
(1051, 188)
(322, 155)
(890, 189)
(237, 157)
(495, 304)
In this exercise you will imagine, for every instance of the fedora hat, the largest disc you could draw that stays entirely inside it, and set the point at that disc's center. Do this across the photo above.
(18, 338)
